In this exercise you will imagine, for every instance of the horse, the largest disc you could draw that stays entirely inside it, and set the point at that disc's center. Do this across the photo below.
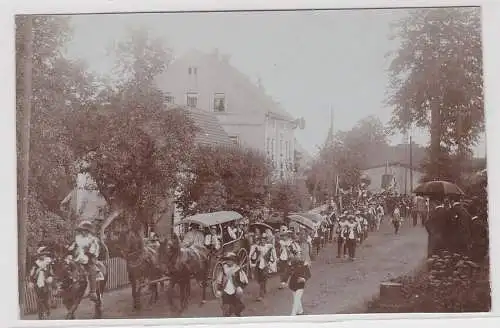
(71, 281)
(142, 265)
(184, 262)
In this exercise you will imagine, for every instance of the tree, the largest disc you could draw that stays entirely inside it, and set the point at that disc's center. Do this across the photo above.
(137, 147)
(287, 196)
(436, 78)
(60, 87)
(240, 176)
(350, 151)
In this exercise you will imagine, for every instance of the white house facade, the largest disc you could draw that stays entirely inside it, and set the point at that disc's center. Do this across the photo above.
(249, 116)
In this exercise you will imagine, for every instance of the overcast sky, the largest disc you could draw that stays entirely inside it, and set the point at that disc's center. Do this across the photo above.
(309, 61)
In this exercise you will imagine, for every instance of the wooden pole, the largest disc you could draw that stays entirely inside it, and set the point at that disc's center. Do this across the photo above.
(411, 165)
(25, 144)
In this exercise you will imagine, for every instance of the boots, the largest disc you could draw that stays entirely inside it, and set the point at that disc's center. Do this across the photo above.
(92, 281)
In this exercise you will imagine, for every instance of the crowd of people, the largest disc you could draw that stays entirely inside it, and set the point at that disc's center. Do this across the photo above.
(288, 252)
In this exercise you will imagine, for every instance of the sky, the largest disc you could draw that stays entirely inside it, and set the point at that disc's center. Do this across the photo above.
(308, 61)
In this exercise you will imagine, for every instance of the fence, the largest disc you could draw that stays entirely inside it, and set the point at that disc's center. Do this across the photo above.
(117, 278)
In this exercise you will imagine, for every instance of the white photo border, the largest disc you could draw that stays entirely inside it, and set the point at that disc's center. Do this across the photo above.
(9, 312)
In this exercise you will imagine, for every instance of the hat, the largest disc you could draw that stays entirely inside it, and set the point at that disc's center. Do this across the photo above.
(42, 251)
(230, 256)
(85, 226)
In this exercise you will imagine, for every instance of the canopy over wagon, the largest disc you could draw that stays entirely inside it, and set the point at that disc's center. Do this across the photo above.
(317, 219)
(210, 219)
(224, 223)
(302, 221)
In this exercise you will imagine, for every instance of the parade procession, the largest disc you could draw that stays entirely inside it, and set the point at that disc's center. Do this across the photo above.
(227, 252)
(155, 183)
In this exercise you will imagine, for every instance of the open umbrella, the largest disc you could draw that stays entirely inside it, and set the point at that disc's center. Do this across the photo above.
(438, 188)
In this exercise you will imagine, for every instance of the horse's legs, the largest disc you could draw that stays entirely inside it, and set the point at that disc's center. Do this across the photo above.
(184, 293)
(203, 290)
(98, 304)
(135, 294)
(154, 293)
(170, 295)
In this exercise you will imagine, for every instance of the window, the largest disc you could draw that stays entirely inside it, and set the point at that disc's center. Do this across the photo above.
(192, 70)
(219, 102)
(268, 146)
(287, 154)
(234, 139)
(168, 98)
(192, 99)
(281, 147)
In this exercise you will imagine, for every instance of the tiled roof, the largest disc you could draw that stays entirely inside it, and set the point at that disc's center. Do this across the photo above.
(211, 132)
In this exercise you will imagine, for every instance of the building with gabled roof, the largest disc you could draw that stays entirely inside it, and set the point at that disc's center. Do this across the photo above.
(247, 114)
(210, 131)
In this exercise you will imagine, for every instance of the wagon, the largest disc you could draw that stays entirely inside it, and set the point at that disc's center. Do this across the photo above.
(221, 220)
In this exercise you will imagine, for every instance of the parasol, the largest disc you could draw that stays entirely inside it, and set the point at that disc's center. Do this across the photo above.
(438, 188)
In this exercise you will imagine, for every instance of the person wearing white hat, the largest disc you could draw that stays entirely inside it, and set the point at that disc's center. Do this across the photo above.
(285, 248)
(86, 250)
(42, 264)
(40, 277)
(230, 284)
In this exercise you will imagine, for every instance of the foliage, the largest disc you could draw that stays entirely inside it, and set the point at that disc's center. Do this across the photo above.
(443, 167)
(137, 146)
(138, 155)
(237, 177)
(452, 283)
(439, 61)
(288, 197)
(59, 86)
(346, 155)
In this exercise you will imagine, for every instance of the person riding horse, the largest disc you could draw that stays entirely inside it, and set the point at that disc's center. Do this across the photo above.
(85, 250)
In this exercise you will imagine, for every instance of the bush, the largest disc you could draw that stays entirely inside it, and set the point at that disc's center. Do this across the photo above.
(451, 283)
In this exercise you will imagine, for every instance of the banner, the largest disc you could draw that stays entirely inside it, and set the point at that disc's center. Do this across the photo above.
(387, 180)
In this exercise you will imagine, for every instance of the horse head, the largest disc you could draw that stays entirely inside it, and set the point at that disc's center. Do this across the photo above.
(169, 250)
(130, 242)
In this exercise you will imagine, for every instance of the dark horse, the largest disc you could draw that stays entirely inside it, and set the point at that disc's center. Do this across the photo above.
(142, 265)
(184, 262)
(71, 281)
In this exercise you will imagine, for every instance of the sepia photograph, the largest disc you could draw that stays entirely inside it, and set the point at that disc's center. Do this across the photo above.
(251, 163)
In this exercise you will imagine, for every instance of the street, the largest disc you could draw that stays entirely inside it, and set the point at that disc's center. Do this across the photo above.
(336, 286)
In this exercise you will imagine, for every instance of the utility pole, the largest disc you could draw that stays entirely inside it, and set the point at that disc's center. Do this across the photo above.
(406, 168)
(332, 174)
(25, 144)
(411, 164)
